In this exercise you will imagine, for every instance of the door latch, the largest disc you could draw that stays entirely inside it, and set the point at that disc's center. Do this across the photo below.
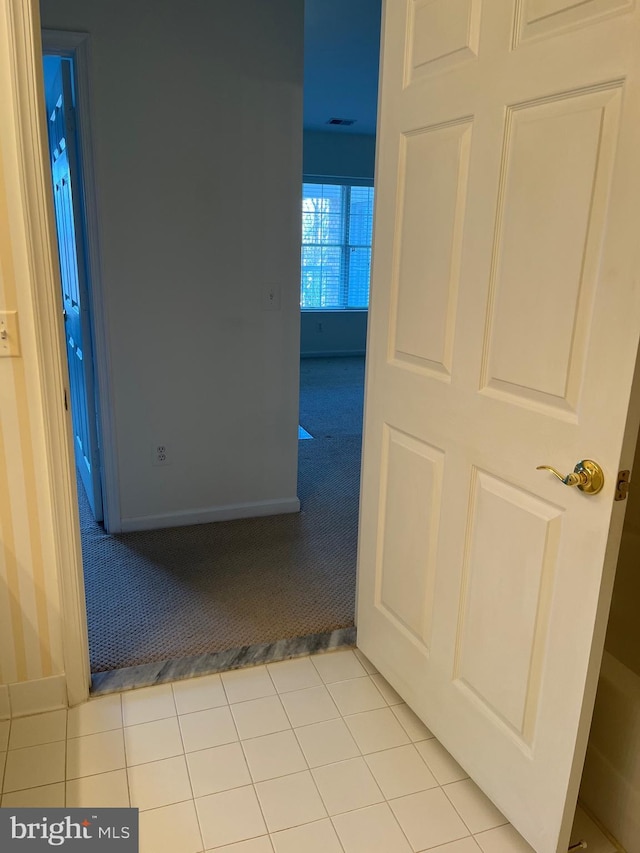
(622, 485)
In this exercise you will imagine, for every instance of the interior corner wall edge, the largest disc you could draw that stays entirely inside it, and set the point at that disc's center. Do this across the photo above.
(197, 134)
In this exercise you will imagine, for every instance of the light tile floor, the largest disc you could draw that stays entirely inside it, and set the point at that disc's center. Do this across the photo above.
(313, 755)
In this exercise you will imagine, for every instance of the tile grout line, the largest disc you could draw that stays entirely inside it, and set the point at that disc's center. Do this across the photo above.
(184, 756)
(311, 770)
(126, 768)
(306, 761)
(5, 762)
(313, 778)
(126, 762)
(440, 787)
(66, 740)
(4, 770)
(460, 815)
(253, 783)
(386, 801)
(361, 756)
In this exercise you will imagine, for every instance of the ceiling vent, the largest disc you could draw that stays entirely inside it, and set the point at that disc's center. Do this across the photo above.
(345, 122)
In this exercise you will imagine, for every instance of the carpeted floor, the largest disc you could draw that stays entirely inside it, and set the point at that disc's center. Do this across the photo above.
(192, 590)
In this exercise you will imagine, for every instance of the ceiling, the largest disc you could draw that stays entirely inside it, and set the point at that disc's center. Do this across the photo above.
(341, 44)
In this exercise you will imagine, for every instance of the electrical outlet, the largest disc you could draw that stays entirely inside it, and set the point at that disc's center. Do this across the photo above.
(271, 297)
(160, 455)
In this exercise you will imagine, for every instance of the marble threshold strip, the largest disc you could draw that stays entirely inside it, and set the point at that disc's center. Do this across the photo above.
(147, 674)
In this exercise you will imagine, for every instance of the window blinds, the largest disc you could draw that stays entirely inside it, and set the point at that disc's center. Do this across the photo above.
(336, 245)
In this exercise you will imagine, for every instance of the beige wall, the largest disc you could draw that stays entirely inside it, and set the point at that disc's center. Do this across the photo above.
(623, 634)
(611, 778)
(30, 624)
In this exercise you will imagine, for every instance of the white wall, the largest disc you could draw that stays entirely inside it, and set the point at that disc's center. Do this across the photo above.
(332, 154)
(324, 333)
(197, 114)
(339, 155)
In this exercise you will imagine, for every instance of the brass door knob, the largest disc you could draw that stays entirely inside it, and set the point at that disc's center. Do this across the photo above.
(588, 476)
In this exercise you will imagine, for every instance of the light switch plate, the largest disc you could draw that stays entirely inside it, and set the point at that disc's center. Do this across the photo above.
(9, 338)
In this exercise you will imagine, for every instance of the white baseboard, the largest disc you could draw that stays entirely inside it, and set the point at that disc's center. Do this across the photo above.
(37, 696)
(337, 353)
(229, 512)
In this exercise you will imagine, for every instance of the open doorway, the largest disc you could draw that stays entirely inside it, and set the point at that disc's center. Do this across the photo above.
(337, 221)
(277, 576)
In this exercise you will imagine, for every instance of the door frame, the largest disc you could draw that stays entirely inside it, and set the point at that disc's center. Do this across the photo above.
(76, 46)
(26, 105)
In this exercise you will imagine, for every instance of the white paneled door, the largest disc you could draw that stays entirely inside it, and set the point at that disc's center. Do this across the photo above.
(65, 169)
(503, 335)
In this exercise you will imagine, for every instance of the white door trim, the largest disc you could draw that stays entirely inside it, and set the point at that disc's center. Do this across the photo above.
(77, 46)
(26, 102)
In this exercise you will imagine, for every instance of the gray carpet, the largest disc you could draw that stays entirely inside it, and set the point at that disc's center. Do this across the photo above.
(186, 591)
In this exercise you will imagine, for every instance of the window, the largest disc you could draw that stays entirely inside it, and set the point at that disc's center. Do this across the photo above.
(336, 245)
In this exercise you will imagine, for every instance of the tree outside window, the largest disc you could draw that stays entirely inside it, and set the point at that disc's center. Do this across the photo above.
(336, 246)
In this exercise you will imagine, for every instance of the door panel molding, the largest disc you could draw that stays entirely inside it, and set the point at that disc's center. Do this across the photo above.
(549, 268)
(423, 308)
(413, 469)
(492, 665)
(538, 19)
(440, 35)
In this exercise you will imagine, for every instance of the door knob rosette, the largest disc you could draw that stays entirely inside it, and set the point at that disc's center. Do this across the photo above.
(588, 476)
